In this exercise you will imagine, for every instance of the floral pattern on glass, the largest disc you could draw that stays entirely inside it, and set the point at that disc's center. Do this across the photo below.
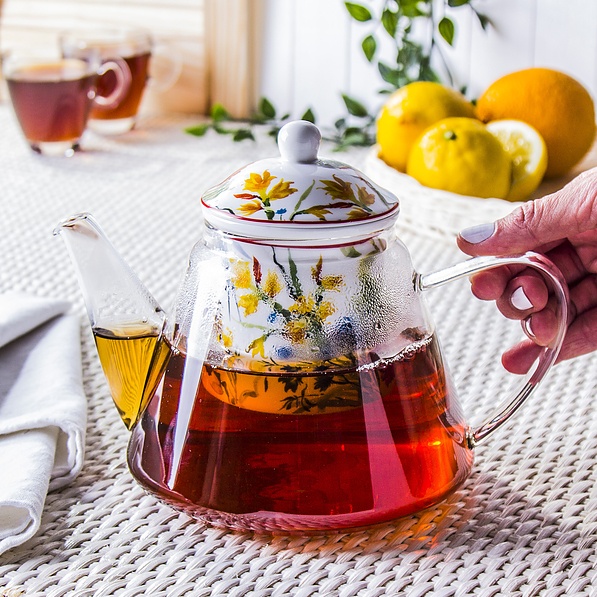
(292, 309)
(266, 196)
(300, 316)
(260, 195)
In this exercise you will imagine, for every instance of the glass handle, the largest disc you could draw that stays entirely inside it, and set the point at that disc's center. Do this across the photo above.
(122, 72)
(549, 353)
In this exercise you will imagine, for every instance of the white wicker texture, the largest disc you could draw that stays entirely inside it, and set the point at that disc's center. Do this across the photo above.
(524, 524)
(442, 212)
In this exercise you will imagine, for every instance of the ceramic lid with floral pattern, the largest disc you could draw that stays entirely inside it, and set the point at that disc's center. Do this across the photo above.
(295, 194)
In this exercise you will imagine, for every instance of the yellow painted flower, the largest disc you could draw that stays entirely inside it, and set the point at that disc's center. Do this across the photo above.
(319, 211)
(297, 330)
(325, 309)
(226, 338)
(257, 347)
(248, 208)
(241, 275)
(365, 197)
(338, 189)
(281, 189)
(332, 282)
(258, 182)
(272, 285)
(303, 304)
(316, 271)
(249, 302)
(357, 213)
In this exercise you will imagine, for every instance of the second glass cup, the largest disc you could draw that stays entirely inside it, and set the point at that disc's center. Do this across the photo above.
(52, 97)
(131, 49)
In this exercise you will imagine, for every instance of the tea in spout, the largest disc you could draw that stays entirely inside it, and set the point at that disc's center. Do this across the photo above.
(127, 323)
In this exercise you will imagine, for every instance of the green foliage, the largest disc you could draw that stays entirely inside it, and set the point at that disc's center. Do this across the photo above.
(399, 19)
(396, 19)
(342, 136)
(358, 12)
(447, 29)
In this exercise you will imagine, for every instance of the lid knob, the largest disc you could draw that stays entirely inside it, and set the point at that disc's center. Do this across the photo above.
(299, 142)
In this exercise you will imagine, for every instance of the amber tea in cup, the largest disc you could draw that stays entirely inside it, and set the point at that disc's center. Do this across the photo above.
(52, 99)
(132, 49)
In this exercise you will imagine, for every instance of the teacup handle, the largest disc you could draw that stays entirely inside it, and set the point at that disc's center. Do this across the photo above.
(549, 353)
(123, 81)
(165, 67)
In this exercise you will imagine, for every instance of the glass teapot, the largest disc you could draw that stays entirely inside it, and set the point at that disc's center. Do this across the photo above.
(298, 384)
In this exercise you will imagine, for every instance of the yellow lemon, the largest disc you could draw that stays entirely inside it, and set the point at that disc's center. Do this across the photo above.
(409, 111)
(554, 103)
(460, 155)
(528, 153)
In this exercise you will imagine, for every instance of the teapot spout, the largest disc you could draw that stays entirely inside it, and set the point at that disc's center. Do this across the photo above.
(127, 323)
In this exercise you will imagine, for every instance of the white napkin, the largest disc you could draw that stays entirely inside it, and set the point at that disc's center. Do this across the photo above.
(43, 409)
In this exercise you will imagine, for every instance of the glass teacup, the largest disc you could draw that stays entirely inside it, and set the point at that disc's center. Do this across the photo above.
(131, 49)
(52, 97)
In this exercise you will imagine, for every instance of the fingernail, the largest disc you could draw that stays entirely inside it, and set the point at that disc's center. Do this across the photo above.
(519, 300)
(477, 234)
(528, 330)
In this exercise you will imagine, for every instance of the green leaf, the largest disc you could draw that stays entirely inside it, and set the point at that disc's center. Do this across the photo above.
(446, 29)
(414, 8)
(483, 20)
(221, 130)
(296, 283)
(242, 134)
(350, 252)
(455, 3)
(389, 20)
(369, 46)
(358, 12)
(340, 123)
(267, 108)
(426, 73)
(309, 116)
(354, 107)
(219, 113)
(356, 137)
(198, 130)
(389, 75)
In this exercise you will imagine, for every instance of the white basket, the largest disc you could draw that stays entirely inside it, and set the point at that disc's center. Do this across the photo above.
(433, 210)
(445, 213)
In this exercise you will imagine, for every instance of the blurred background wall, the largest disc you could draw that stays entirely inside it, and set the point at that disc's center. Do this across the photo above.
(177, 25)
(312, 49)
(305, 53)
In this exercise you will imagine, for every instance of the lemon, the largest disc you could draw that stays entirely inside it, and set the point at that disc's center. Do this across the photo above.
(409, 111)
(460, 155)
(552, 102)
(528, 153)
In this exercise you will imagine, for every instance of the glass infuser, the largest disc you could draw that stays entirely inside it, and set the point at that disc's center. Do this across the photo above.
(298, 383)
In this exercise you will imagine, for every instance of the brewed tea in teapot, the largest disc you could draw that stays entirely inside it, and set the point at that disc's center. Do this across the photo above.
(298, 383)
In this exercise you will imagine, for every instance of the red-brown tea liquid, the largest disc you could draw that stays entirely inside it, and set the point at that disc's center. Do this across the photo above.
(401, 450)
(129, 105)
(50, 101)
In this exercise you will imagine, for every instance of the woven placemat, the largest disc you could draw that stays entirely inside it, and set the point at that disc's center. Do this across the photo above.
(523, 524)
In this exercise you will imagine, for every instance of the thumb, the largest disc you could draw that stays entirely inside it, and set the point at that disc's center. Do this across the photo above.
(564, 214)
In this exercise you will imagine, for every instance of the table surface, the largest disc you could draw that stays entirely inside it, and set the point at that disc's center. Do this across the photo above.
(523, 524)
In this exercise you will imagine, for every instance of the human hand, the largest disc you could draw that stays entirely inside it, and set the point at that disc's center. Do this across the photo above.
(563, 227)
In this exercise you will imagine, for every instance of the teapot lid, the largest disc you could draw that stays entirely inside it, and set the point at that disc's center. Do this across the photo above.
(298, 195)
